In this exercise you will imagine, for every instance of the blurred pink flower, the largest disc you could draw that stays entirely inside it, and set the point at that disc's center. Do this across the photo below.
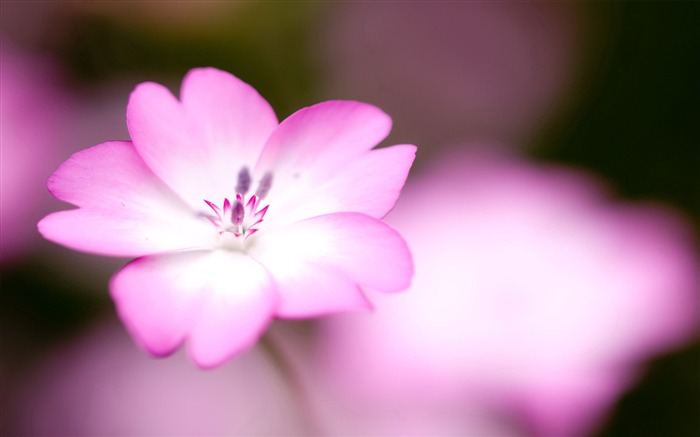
(32, 109)
(534, 298)
(100, 385)
(216, 263)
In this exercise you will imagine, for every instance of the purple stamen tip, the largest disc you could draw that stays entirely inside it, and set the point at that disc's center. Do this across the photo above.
(265, 185)
(243, 181)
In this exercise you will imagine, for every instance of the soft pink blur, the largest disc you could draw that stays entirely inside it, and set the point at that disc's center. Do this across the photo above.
(453, 71)
(32, 115)
(535, 299)
(101, 385)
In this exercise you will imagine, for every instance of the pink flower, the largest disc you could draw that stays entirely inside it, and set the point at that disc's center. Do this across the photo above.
(99, 385)
(535, 298)
(32, 119)
(234, 218)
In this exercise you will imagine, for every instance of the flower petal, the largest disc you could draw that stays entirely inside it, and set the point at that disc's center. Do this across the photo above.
(125, 210)
(221, 301)
(239, 308)
(321, 162)
(310, 290)
(370, 184)
(158, 298)
(197, 146)
(318, 263)
(327, 132)
(232, 113)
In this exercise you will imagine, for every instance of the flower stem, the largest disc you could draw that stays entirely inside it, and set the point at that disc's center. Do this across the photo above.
(291, 375)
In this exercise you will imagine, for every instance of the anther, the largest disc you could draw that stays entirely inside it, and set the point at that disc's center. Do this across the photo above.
(243, 184)
(265, 185)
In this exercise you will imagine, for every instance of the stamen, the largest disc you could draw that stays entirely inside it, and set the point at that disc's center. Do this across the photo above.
(240, 217)
(243, 181)
(265, 185)
(227, 208)
(261, 214)
(252, 203)
(214, 207)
